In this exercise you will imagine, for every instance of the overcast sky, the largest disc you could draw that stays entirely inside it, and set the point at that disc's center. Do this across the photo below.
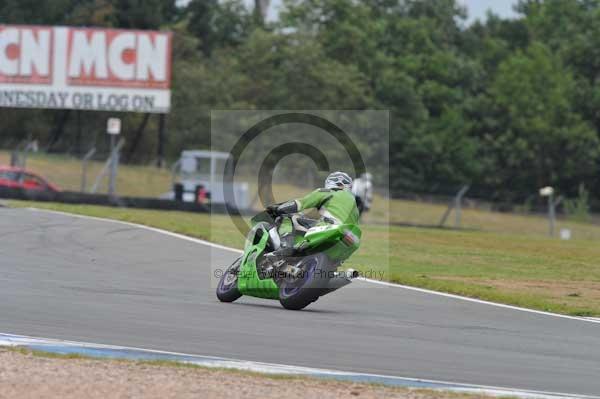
(477, 8)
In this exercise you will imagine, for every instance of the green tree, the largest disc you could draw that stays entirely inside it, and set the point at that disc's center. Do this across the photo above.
(36, 12)
(218, 24)
(143, 14)
(540, 138)
(571, 28)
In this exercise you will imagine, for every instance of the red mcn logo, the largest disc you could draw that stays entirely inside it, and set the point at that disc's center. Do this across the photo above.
(25, 55)
(118, 58)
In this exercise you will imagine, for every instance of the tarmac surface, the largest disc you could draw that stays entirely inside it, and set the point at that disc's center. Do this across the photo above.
(97, 281)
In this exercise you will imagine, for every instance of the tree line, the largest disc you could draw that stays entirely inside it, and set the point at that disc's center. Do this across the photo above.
(506, 105)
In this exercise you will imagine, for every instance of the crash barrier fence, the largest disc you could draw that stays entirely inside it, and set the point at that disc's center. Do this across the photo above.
(451, 218)
(533, 204)
(71, 197)
(75, 197)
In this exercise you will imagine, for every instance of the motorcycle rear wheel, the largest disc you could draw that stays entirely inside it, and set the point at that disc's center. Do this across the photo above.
(298, 293)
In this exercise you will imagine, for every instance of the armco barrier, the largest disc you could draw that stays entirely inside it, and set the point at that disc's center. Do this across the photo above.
(71, 197)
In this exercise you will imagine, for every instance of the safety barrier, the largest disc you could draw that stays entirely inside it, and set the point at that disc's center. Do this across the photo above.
(72, 197)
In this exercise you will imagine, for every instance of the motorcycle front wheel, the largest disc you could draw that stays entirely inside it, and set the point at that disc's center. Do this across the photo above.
(227, 289)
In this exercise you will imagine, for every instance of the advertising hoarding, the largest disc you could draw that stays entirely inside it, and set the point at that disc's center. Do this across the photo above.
(85, 68)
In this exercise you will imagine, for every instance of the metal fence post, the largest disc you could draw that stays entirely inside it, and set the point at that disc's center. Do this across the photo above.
(107, 167)
(551, 215)
(113, 167)
(84, 166)
(458, 206)
(455, 204)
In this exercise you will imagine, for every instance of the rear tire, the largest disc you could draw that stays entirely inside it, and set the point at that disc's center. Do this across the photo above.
(299, 293)
(227, 289)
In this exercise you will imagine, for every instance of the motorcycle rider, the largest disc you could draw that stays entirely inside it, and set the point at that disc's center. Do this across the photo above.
(336, 205)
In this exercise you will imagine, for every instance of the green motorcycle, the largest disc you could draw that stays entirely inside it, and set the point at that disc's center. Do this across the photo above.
(296, 281)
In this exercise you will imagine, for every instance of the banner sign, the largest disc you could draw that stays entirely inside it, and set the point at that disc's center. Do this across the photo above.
(85, 69)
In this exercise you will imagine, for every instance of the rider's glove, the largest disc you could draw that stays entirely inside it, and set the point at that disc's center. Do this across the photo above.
(286, 208)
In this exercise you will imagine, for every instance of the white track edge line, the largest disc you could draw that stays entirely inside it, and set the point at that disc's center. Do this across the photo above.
(299, 370)
(371, 281)
(481, 301)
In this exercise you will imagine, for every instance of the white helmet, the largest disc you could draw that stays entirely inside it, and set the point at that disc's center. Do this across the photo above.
(338, 181)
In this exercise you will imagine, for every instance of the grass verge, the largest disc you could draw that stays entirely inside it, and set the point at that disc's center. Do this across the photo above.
(95, 367)
(519, 269)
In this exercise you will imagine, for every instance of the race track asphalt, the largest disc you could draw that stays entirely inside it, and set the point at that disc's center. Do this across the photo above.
(96, 281)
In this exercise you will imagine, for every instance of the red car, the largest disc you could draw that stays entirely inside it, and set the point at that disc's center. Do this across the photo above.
(20, 178)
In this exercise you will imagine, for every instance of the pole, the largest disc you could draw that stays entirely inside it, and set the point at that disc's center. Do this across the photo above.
(160, 161)
(84, 167)
(551, 214)
(458, 206)
(136, 139)
(113, 166)
(15, 156)
(106, 168)
(78, 136)
(30, 146)
(455, 204)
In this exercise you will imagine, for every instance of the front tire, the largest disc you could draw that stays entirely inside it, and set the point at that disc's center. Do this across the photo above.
(300, 292)
(227, 289)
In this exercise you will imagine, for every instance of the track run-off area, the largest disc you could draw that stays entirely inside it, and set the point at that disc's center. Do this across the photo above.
(88, 280)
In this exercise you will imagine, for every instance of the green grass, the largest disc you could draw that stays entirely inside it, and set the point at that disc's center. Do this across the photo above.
(151, 182)
(38, 353)
(523, 269)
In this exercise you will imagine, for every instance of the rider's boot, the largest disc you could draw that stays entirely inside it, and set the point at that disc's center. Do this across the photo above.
(277, 258)
(287, 247)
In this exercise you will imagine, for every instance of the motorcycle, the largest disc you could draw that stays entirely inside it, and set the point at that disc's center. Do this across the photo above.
(320, 247)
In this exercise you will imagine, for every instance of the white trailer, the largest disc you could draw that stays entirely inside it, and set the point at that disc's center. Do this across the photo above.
(199, 176)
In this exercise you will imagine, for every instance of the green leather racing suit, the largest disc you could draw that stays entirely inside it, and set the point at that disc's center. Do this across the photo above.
(334, 206)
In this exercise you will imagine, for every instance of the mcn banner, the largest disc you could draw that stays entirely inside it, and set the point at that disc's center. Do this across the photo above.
(86, 69)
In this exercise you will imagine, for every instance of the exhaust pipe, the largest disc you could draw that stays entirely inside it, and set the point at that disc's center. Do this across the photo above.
(352, 274)
(341, 279)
